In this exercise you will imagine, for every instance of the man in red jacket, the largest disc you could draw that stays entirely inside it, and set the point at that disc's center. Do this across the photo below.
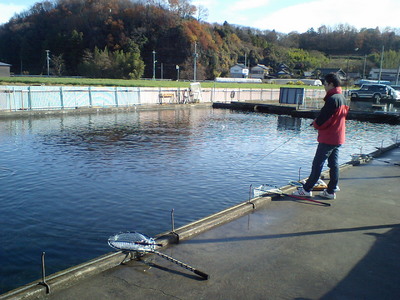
(331, 125)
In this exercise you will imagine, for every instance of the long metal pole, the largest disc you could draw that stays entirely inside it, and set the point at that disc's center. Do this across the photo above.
(195, 62)
(43, 282)
(154, 65)
(380, 68)
(365, 64)
(48, 62)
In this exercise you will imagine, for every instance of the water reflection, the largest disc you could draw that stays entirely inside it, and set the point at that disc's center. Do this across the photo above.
(372, 106)
(69, 182)
(289, 123)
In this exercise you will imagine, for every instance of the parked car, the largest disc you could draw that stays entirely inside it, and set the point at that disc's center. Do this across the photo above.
(396, 87)
(375, 92)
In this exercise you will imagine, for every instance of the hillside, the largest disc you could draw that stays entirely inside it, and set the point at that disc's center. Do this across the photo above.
(135, 39)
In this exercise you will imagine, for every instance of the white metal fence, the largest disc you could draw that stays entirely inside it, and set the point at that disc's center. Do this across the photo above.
(313, 99)
(14, 98)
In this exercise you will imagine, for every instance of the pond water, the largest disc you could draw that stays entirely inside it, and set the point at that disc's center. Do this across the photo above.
(69, 182)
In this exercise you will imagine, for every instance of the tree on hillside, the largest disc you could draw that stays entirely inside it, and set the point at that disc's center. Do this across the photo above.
(183, 8)
(116, 64)
(131, 30)
(58, 64)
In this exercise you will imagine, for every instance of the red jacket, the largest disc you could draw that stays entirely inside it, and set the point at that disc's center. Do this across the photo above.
(331, 121)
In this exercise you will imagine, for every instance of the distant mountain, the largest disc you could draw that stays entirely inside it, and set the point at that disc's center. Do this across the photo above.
(131, 39)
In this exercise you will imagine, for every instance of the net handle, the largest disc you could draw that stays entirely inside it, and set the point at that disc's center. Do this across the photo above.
(181, 264)
(148, 244)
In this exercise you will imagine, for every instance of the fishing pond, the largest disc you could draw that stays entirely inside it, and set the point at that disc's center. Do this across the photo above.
(70, 181)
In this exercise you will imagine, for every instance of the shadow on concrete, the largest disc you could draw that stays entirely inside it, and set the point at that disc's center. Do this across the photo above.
(296, 234)
(363, 178)
(377, 275)
(172, 271)
(322, 201)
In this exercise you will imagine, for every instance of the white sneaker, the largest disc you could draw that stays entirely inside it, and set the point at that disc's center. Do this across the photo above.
(322, 184)
(326, 195)
(319, 183)
(302, 192)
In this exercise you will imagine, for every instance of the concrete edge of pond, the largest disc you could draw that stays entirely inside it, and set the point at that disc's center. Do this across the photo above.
(68, 277)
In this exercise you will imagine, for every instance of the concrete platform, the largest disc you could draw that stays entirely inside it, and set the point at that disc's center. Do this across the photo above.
(288, 249)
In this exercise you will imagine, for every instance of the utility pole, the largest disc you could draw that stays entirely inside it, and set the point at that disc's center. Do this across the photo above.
(195, 62)
(48, 62)
(365, 64)
(154, 65)
(380, 68)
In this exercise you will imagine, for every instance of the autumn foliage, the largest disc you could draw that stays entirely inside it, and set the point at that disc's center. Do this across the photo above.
(116, 39)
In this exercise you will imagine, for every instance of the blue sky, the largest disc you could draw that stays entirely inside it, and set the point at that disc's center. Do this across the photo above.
(282, 15)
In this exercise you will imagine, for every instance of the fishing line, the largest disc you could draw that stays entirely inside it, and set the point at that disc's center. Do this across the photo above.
(279, 146)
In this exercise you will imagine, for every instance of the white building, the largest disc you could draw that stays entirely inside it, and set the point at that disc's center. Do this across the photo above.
(4, 69)
(239, 71)
(391, 75)
(260, 71)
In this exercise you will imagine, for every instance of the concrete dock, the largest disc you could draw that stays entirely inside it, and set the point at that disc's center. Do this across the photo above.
(291, 110)
(286, 249)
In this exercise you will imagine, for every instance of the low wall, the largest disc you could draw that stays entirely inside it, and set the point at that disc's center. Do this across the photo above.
(34, 98)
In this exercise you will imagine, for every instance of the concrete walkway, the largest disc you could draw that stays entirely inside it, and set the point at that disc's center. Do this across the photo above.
(289, 249)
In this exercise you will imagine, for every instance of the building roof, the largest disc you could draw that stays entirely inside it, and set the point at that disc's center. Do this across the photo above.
(384, 70)
(262, 67)
(330, 70)
(4, 64)
(239, 65)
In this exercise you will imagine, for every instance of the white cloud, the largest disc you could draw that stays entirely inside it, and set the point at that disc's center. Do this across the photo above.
(298, 17)
(235, 12)
(9, 10)
(243, 5)
(302, 17)
(203, 2)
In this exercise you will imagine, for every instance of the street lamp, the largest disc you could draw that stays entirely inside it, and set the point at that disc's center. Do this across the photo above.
(347, 68)
(177, 71)
(365, 65)
(195, 62)
(48, 62)
(154, 65)
(381, 64)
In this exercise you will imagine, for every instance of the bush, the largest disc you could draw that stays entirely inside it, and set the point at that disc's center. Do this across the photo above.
(298, 82)
(116, 65)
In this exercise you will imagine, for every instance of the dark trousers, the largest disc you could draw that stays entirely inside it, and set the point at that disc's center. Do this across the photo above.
(324, 152)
